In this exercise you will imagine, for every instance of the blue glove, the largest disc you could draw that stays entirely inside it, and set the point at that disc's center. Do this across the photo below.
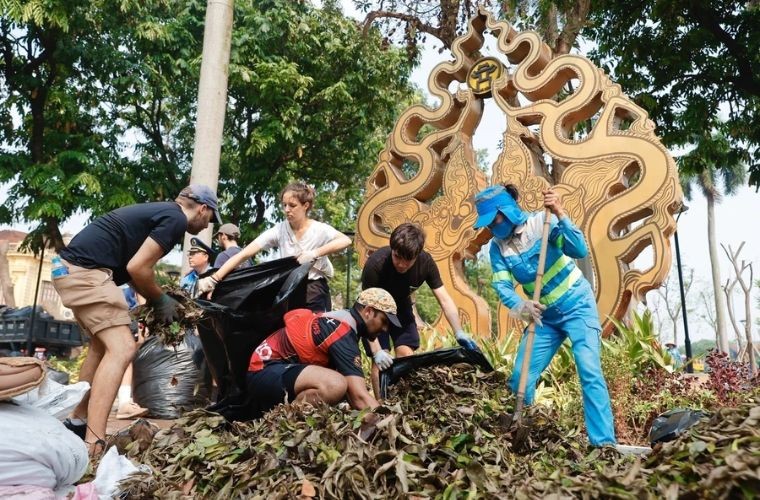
(466, 341)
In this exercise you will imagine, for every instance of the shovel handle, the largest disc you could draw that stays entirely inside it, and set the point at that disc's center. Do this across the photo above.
(532, 326)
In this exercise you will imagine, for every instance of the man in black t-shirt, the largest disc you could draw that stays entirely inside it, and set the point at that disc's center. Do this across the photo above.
(316, 357)
(402, 268)
(121, 247)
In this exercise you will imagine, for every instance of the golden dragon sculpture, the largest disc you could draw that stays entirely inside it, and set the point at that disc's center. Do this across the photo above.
(619, 184)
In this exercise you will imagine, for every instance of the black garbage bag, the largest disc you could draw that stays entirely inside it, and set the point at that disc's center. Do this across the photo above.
(246, 307)
(445, 357)
(169, 381)
(673, 423)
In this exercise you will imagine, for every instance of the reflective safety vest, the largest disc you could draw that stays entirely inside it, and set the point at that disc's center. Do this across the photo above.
(515, 260)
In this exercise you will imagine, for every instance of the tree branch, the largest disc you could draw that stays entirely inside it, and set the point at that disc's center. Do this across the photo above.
(709, 19)
(408, 18)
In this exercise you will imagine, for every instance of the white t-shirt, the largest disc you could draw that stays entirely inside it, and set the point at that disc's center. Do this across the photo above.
(317, 234)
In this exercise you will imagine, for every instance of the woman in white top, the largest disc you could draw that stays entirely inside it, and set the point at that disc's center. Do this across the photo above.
(306, 239)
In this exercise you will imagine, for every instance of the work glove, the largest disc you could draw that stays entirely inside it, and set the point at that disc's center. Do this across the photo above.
(166, 309)
(307, 256)
(466, 341)
(206, 284)
(383, 360)
(528, 310)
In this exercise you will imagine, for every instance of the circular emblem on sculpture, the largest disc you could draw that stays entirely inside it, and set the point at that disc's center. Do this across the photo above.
(482, 75)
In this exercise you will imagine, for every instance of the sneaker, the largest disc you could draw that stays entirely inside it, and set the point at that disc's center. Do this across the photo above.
(78, 429)
(131, 410)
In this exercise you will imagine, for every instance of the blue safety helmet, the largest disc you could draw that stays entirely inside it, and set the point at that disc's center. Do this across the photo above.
(495, 199)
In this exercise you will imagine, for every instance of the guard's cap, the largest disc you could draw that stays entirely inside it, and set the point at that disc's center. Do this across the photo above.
(228, 229)
(202, 194)
(196, 249)
(493, 200)
(382, 301)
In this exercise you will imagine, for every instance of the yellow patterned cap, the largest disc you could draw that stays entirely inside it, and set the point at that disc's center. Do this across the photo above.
(381, 300)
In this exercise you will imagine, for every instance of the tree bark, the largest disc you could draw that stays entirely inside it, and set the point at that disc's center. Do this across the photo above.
(720, 303)
(6, 284)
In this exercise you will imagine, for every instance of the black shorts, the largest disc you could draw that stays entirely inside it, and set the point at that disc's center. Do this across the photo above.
(407, 336)
(273, 385)
(318, 295)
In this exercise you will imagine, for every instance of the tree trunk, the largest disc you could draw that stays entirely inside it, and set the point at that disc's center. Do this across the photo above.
(720, 303)
(6, 285)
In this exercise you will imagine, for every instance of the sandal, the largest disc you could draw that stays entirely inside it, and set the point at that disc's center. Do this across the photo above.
(131, 410)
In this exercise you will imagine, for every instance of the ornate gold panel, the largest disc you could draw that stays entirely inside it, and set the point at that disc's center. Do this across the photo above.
(619, 184)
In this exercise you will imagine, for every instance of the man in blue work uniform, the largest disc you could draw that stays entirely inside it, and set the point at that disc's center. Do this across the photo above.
(567, 307)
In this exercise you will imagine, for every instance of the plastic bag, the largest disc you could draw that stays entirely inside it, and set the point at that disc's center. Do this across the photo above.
(440, 357)
(112, 469)
(673, 423)
(247, 306)
(168, 381)
(53, 398)
(37, 450)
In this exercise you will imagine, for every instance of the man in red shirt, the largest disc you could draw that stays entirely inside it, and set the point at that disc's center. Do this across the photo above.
(316, 357)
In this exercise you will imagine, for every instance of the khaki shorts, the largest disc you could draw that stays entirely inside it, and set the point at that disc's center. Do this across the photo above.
(94, 298)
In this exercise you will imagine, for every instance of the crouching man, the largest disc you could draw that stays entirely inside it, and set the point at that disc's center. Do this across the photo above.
(316, 357)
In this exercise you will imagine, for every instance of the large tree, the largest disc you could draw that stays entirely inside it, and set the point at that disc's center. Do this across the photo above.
(97, 105)
(705, 170)
(68, 133)
(694, 66)
(309, 98)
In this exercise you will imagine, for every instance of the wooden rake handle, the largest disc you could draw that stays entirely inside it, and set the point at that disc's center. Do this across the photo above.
(532, 326)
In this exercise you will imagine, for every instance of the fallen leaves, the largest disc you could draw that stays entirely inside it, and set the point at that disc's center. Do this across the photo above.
(432, 440)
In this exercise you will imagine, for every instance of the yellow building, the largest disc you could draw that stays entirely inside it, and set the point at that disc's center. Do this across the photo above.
(24, 269)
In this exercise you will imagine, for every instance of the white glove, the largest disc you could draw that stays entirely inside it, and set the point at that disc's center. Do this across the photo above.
(206, 284)
(307, 256)
(528, 310)
(383, 360)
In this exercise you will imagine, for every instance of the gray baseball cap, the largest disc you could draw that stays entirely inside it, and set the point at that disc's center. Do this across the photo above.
(228, 229)
(202, 194)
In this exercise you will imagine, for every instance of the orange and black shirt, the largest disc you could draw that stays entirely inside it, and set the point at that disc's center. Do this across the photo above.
(323, 339)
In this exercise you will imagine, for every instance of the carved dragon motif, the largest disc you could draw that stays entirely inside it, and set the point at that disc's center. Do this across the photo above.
(619, 184)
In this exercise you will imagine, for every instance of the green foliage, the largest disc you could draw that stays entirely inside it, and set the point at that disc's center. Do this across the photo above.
(66, 112)
(309, 98)
(693, 67)
(638, 342)
(699, 348)
(98, 102)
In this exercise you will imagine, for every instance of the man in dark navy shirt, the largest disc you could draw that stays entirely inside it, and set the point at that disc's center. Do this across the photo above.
(316, 357)
(228, 236)
(121, 247)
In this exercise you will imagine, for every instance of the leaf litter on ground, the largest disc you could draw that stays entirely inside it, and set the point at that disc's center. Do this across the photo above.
(442, 434)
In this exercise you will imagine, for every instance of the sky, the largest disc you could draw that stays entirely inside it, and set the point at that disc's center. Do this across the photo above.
(734, 215)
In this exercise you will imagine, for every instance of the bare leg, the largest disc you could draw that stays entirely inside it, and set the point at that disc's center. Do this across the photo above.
(119, 350)
(316, 383)
(87, 372)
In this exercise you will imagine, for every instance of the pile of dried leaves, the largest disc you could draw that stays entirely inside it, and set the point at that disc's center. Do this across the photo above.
(172, 335)
(443, 435)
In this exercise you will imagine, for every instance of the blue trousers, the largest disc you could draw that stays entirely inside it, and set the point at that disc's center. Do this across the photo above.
(574, 316)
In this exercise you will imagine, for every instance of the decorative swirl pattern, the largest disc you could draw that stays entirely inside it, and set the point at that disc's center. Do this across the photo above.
(619, 184)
